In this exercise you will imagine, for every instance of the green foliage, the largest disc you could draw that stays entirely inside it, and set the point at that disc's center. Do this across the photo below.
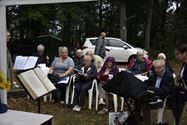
(73, 22)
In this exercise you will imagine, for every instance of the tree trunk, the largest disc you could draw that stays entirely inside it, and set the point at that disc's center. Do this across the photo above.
(123, 21)
(148, 25)
(100, 16)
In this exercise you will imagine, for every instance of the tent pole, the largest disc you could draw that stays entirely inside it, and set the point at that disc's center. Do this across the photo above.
(3, 49)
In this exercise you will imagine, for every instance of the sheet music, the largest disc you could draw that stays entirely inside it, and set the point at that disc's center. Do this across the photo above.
(142, 78)
(64, 80)
(25, 62)
(44, 68)
(31, 62)
(43, 65)
(20, 62)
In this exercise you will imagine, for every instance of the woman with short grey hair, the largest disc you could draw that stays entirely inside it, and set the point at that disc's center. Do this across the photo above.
(62, 66)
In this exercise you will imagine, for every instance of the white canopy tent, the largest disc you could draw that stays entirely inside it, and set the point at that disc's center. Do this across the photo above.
(3, 4)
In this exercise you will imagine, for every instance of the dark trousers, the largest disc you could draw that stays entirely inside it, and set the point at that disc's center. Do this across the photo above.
(81, 89)
(143, 112)
(177, 103)
(61, 92)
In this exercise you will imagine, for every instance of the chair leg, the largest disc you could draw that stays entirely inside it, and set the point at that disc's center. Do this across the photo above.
(45, 98)
(28, 96)
(97, 98)
(72, 95)
(115, 101)
(90, 93)
(161, 112)
(50, 97)
(122, 103)
(160, 115)
(67, 94)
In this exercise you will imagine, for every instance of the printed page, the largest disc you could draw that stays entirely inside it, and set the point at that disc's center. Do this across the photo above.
(64, 80)
(31, 62)
(20, 62)
(42, 65)
(140, 77)
(43, 77)
(33, 84)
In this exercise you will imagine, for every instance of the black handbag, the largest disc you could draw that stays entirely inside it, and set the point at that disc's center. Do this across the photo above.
(54, 78)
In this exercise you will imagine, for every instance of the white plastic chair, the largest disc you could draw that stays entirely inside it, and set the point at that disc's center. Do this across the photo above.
(161, 112)
(115, 98)
(115, 102)
(47, 96)
(90, 95)
(71, 80)
(68, 87)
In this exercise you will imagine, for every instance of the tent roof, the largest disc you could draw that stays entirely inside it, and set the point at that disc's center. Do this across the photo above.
(30, 2)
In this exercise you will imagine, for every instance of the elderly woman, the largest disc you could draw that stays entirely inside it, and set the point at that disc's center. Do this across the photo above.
(63, 66)
(83, 82)
(107, 71)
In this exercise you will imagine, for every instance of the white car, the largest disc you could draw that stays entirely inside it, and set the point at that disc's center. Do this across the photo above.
(122, 51)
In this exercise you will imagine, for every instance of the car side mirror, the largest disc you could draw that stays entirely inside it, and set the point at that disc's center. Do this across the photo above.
(125, 47)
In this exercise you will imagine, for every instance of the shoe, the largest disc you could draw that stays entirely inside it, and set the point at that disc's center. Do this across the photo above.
(103, 111)
(75, 107)
(61, 102)
(53, 101)
(101, 101)
(78, 109)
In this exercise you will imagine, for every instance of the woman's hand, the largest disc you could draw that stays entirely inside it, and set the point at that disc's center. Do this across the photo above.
(61, 75)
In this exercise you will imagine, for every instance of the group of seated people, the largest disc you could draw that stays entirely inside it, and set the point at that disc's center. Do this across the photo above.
(159, 73)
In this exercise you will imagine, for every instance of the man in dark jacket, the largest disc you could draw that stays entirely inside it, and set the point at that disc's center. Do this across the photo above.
(100, 45)
(78, 60)
(161, 83)
(42, 57)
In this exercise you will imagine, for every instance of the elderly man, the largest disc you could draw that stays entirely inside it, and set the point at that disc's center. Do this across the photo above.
(96, 60)
(139, 66)
(42, 57)
(78, 60)
(161, 83)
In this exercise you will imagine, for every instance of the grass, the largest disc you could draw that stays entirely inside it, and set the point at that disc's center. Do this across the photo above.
(65, 116)
(62, 115)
